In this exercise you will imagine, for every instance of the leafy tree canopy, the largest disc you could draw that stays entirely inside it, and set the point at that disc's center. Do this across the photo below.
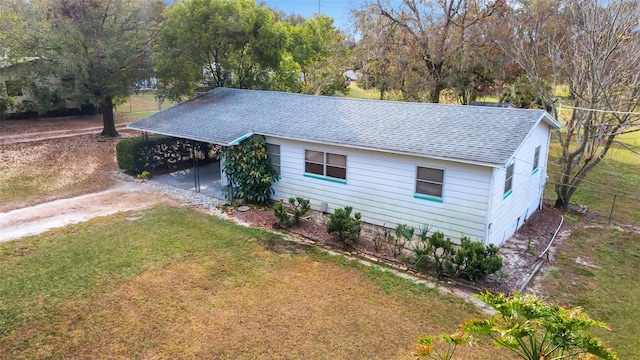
(101, 46)
(209, 43)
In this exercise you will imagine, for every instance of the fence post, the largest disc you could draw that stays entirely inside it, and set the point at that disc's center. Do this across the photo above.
(612, 206)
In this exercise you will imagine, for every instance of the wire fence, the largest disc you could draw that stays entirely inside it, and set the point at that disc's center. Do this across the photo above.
(610, 206)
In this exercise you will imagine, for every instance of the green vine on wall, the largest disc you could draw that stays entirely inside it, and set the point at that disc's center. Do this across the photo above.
(248, 171)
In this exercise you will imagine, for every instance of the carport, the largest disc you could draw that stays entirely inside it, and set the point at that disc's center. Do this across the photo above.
(204, 179)
(192, 121)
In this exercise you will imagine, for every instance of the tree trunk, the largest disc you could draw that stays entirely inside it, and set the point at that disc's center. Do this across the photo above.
(109, 125)
(561, 204)
(435, 93)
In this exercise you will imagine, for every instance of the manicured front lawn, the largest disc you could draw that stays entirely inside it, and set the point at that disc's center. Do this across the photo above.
(173, 282)
(599, 269)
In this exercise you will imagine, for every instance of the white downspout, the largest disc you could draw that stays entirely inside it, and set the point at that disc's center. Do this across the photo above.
(487, 222)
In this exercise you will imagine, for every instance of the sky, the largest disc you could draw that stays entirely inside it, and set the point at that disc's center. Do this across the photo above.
(339, 10)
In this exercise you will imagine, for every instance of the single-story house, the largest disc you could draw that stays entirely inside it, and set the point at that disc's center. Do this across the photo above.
(464, 170)
(13, 84)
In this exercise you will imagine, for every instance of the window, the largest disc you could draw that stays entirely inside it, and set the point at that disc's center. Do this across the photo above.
(508, 181)
(273, 154)
(429, 181)
(325, 164)
(14, 88)
(536, 159)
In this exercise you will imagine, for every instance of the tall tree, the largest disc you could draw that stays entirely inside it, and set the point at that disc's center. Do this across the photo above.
(380, 54)
(209, 43)
(104, 45)
(436, 30)
(321, 51)
(595, 48)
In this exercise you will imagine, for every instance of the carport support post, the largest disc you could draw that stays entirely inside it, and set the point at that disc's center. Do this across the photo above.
(196, 170)
(224, 181)
(145, 137)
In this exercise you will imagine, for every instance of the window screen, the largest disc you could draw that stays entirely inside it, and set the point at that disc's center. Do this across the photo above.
(325, 164)
(508, 181)
(273, 153)
(429, 181)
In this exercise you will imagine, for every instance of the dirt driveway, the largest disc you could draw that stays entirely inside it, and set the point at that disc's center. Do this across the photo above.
(55, 172)
(124, 196)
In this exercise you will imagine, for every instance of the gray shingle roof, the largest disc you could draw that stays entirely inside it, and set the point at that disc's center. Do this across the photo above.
(481, 135)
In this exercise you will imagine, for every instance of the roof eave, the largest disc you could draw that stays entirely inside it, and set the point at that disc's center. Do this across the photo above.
(553, 123)
(548, 119)
(177, 135)
(469, 162)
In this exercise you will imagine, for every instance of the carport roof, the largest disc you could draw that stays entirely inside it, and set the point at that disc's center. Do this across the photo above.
(470, 134)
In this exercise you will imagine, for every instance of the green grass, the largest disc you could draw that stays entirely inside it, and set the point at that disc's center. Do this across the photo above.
(359, 93)
(619, 173)
(608, 288)
(130, 117)
(173, 282)
(489, 98)
(143, 102)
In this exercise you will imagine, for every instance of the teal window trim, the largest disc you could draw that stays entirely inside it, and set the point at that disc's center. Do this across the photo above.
(427, 197)
(325, 178)
(507, 194)
(535, 171)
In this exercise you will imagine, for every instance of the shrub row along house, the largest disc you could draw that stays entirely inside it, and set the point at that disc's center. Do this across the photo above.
(463, 170)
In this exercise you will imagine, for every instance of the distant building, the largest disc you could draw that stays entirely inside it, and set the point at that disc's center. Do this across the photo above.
(53, 97)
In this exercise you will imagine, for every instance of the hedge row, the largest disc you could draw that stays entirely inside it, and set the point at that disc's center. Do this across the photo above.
(161, 153)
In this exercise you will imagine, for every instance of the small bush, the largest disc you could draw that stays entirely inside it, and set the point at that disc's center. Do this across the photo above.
(130, 154)
(289, 216)
(404, 234)
(422, 249)
(345, 226)
(380, 238)
(442, 251)
(282, 214)
(475, 261)
(145, 175)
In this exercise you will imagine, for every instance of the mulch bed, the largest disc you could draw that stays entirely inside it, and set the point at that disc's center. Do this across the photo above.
(520, 253)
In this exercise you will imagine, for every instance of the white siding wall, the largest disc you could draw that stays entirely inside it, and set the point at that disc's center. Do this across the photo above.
(382, 187)
(508, 214)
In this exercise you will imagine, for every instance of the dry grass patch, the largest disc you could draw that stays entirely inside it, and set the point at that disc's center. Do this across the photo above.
(40, 171)
(184, 285)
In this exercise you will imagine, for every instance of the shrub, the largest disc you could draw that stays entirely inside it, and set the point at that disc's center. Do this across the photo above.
(345, 226)
(475, 261)
(442, 251)
(422, 249)
(290, 216)
(379, 238)
(145, 175)
(248, 171)
(404, 234)
(6, 105)
(130, 155)
(530, 328)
